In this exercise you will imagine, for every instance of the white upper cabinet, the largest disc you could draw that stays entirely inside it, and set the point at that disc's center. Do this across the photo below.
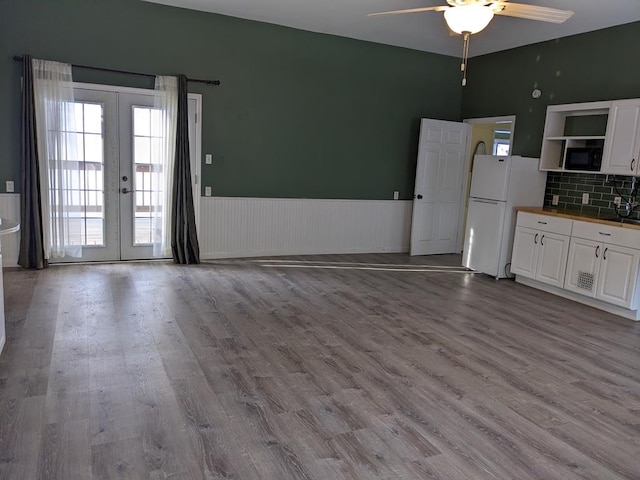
(612, 128)
(622, 145)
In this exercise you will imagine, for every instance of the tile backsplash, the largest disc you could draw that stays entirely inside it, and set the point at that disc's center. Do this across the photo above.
(601, 189)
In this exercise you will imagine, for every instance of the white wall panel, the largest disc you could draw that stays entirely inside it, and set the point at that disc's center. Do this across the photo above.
(10, 208)
(243, 227)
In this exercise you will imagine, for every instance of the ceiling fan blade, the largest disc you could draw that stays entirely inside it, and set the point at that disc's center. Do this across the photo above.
(531, 12)
(411, 10)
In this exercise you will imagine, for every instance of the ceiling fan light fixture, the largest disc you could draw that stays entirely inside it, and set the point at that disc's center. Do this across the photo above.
(468, 18)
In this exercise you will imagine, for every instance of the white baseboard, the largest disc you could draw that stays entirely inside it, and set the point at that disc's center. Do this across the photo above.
(251, 227)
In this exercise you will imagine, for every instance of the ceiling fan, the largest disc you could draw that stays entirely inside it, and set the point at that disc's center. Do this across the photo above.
(467, 17)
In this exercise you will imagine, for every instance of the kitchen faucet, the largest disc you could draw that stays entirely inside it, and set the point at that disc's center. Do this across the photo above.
(628, 203)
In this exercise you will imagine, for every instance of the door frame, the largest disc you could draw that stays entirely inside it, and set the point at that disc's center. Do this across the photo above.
(466, 182)
(197, 163)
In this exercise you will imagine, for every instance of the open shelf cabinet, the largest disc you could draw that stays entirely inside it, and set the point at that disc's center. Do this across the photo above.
(572, 126)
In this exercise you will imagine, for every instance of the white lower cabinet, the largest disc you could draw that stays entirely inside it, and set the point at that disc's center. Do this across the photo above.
(619, 276)
(603, 271)
(600, 261)
(583, 267)
(525, 252)
(552, 258)
(538, 253)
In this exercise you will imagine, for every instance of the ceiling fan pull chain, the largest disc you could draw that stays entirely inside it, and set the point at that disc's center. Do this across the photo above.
(465, 56)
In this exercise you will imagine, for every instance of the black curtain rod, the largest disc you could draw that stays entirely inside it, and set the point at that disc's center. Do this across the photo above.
(18, 58)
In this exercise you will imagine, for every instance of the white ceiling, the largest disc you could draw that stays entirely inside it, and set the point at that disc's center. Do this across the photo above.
(421, 31)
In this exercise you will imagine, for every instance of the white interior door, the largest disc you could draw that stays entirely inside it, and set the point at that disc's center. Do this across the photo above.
(437, 194)
(112, 175)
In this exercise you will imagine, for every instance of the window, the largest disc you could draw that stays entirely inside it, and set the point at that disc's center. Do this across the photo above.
(149, 177)
(501, 142)
(83, 165)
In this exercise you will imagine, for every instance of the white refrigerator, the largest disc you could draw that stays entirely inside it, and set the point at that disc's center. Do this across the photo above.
(498, 185)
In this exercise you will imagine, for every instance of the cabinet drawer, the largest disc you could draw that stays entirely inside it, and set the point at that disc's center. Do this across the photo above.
(545, 223)
(625, 237)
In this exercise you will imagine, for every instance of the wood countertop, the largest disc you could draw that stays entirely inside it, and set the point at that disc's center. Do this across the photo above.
(575, 215)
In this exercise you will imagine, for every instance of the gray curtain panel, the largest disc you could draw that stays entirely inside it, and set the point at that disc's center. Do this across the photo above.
(184, 238)
(31, 238)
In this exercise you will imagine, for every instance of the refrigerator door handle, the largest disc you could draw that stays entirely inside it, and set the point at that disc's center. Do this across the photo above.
(491, 202)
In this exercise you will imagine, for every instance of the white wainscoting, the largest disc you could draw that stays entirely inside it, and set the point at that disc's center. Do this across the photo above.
(251, 227)
(10, 208)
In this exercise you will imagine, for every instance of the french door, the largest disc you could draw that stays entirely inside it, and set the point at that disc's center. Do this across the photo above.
(115, 173)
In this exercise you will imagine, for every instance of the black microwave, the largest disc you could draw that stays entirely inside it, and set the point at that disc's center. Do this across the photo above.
(583, 158)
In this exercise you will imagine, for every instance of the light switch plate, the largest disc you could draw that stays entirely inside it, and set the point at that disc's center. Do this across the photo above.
(396, 195)
(10, 186)
(555, 200)
(208, 159)
(207, 191)
(585, 198)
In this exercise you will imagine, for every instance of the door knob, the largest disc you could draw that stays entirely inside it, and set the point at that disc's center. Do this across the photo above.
(419, 197)
(126, 190)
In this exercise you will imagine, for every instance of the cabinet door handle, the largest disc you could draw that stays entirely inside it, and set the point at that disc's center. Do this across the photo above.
(535, 239)
(633, 161)
(597, 251)
(604, 255)
(542, 223)
(542, 240)
(605, 234)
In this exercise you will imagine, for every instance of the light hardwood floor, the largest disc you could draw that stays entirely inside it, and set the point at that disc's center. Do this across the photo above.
(274, 370)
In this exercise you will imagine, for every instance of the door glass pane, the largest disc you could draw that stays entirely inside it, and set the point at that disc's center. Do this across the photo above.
(148, 175)
(84, 165)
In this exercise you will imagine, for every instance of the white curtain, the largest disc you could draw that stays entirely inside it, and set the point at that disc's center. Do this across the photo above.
(165, 124)
(58, 154)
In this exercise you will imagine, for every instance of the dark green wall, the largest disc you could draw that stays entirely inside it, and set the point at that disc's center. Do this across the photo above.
(298, 114)
(601, 65)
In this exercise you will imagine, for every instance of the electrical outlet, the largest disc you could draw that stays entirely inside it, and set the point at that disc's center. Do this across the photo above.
(396, 195)
(10, 187)
(617, 201)
(208, 159)
(555, 200)
(585, 198)
(207, 191)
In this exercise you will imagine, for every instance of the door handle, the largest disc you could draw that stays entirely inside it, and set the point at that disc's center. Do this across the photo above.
(125, 190)
(604, 255)
(419, 197)
(535, 239)
(633, 161)
(542, 240)
(597, 251)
